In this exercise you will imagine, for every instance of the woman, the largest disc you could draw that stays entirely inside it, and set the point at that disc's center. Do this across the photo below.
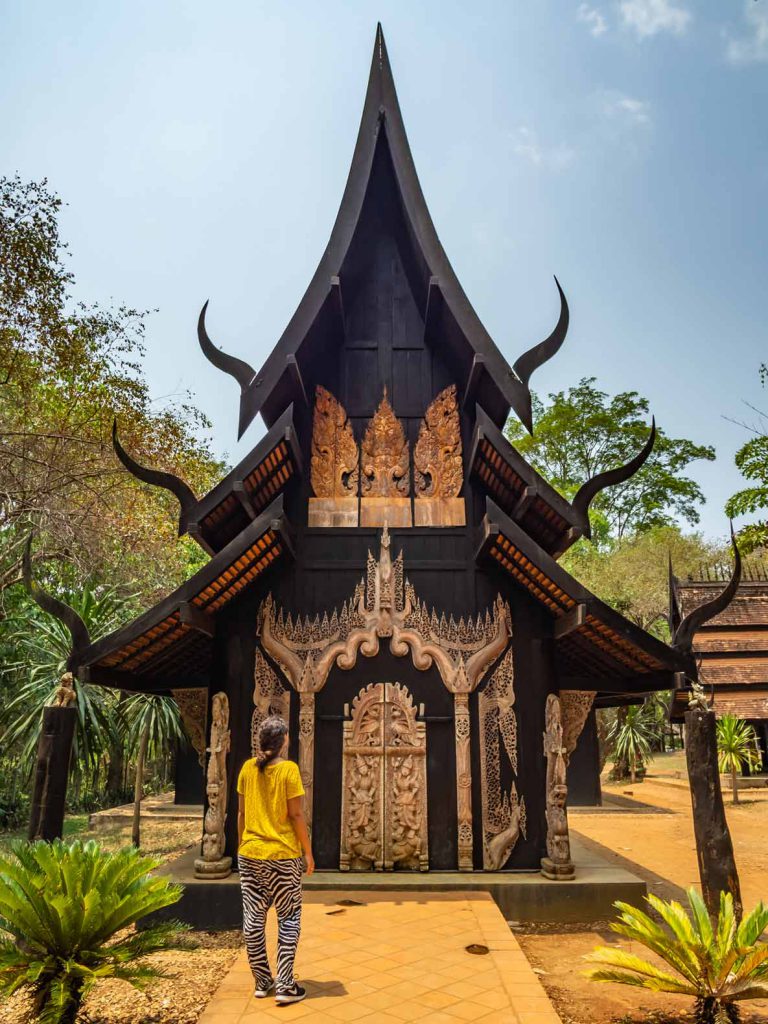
(271, 836)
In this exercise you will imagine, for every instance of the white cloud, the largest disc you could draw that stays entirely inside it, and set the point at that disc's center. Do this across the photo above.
(591, 16)
(752, 47)
(627, 109)
(526, 144)
(649, 17)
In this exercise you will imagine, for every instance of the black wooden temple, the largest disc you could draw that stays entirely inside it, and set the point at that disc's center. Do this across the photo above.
(384, 545)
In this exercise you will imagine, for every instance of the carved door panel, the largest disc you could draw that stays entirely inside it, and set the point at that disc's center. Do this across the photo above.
(384, 783)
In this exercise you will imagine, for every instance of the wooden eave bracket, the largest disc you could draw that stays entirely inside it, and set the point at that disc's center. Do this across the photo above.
(432, 311)
(282, 526)
(241, 493)
(196, 618)
(567, 540)
(197, 535)
(473, 382)
(297, 381)
(337, 304)
(569, 623)
(524, 503)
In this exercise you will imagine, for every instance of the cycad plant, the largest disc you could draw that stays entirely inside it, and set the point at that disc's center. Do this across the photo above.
(737, 749)
(718, 963)
(62, 906)
(631, 736)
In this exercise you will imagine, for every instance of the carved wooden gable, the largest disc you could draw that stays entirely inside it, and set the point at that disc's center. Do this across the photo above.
(382, 466)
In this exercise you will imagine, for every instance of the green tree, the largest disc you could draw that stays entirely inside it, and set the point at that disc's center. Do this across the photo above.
(66, 368)
(154, 726)
(631, 737)
(61, 909)
(718, 963)
(632, 575)
(752, 460)
(582, 432)
(737, 749)
(42, 645)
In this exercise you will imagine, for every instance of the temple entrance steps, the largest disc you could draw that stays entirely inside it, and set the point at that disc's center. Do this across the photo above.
(520, 896)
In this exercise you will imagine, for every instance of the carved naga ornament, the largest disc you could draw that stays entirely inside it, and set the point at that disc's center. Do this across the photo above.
(437, 464)
(383, 605)
(386, 484)
(334, 467)
(504, 816)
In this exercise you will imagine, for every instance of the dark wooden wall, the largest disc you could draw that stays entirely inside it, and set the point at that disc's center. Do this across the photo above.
(584, 768)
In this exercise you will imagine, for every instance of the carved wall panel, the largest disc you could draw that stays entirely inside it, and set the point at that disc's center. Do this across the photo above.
(438, 470)
(193, 707)
(269, 698)
(334, 465)
(503, 812)
(385, 478)
(384, 783)
(575, 706)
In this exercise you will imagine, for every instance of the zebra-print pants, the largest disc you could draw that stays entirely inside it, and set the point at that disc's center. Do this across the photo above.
(264, 882)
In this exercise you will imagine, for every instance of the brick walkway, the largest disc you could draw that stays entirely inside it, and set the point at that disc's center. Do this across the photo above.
(396, 957)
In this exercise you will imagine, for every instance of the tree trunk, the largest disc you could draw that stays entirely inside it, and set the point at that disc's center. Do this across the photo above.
(735, 784)
(633, 771)
(714, 847)
(116, 763)
(139, 785)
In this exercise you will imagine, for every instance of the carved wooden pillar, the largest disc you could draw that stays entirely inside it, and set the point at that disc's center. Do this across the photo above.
(463, 780)
(307, 750)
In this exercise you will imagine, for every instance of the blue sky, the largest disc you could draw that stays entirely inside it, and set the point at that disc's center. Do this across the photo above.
(202, 151)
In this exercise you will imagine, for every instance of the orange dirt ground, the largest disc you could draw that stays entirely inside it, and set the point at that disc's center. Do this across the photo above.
(653, 838)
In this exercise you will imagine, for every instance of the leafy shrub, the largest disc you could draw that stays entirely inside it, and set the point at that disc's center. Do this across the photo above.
(718, 963)
(65, 909)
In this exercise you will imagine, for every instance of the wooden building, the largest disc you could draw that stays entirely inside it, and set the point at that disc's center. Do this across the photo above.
(383, 564)
(732, 648)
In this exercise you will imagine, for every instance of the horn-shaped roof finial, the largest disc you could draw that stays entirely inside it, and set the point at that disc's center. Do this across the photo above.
(243, 372)
(61, 611)
(539, 354)
(182, 491)
(609, 478)
(682, 640)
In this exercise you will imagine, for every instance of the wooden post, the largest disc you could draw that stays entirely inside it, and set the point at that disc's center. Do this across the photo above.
(714, 848)
(463, 780)
(49, 792)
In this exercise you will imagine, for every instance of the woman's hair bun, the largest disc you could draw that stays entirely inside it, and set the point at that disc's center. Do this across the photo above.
(272, 733)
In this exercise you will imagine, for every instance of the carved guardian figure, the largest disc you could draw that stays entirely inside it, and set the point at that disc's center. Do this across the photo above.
(213, 863)
(557, 865)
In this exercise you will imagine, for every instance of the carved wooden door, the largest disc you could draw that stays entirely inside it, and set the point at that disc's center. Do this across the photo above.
(384, 783)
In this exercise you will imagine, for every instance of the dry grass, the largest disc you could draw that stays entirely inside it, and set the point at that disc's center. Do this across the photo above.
(180, 998)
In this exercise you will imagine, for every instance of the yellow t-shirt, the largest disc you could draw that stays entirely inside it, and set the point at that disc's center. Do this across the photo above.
(268, 833)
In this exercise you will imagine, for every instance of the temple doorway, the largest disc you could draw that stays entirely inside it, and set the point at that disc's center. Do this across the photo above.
(384, 782)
